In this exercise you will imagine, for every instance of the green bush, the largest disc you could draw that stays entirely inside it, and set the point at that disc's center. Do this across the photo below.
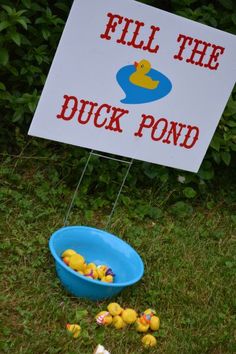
(30, 32)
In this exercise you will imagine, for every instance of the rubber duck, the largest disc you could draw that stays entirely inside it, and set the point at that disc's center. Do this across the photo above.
(74, 329)
(101, 269)
(155, 323)
(140, 77)
(68, 253)
(109, 272)
(76, 262)
(88, 272)
(95, 274)
(118, 322)
(129, 316)
(66, 260)
(104, 318)
(149, 341)
(114, 309)
(92, 266)
(147, 315)
(107, 279)
(140, 326)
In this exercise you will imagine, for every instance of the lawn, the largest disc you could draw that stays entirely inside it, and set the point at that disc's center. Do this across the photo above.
(188, 250)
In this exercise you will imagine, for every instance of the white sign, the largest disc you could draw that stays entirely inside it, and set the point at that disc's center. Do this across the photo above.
(136, 81)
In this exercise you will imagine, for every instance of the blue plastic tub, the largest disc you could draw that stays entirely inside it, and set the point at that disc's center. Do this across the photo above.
(99, 247)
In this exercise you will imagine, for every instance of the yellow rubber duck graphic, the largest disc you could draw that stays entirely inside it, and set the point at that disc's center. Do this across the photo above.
(140, 77)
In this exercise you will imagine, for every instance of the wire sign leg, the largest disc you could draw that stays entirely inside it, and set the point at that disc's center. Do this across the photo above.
(81, 178)
(77, 188)
(118, 195)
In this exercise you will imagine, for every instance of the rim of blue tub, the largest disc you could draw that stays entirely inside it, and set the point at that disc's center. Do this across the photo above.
(114, 285)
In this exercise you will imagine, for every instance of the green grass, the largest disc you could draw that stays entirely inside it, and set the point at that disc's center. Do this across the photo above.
(188, 252)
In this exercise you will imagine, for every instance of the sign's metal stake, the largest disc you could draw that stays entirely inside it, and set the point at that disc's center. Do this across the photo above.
(118, 195)
(81, 178)
(77, 188)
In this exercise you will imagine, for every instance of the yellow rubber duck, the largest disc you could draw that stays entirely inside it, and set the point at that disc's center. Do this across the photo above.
(74, 329)
(68, 253)
(66, 260)
(140, 77)
(141, 327)
(104, 318)
(92, 266)
(129, 316)
(149, 341)
(76, 262)
(107, 279)
(114, 309)
(147, 315)
(155, 323)
(118, 322)
(101, 269)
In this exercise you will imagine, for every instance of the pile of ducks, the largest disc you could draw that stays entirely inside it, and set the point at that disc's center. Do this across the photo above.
(119, 318)
(77, 262)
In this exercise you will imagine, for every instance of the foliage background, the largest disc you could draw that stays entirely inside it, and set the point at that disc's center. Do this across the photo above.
(29, 34)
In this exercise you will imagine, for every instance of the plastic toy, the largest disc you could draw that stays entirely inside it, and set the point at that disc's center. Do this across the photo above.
(68, 253)
(114, 309)
(109, 272)
(101, 350)
(88, 272)
(146, 316)
(155, 323)
(107, 279)
(129, 316)
(76, 262)
(74, 329)
(66, 260)
(141, 327)
(95, 274)
(118, 322)
(104, 318)
(149, 341)
(101, 269)
(92, 266)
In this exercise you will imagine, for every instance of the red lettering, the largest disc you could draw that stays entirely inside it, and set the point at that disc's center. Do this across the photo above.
(173, 132)
(188, 136)
(115, 119)
(143, 124)
(115, 20)
(111, 25)
(217, 50)
(185, 40)
(135, 35)
(65, 106)
(98, 113)
(201, 51)
(125, 31)
(162, 131)
(81, 111)
(151, 38)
